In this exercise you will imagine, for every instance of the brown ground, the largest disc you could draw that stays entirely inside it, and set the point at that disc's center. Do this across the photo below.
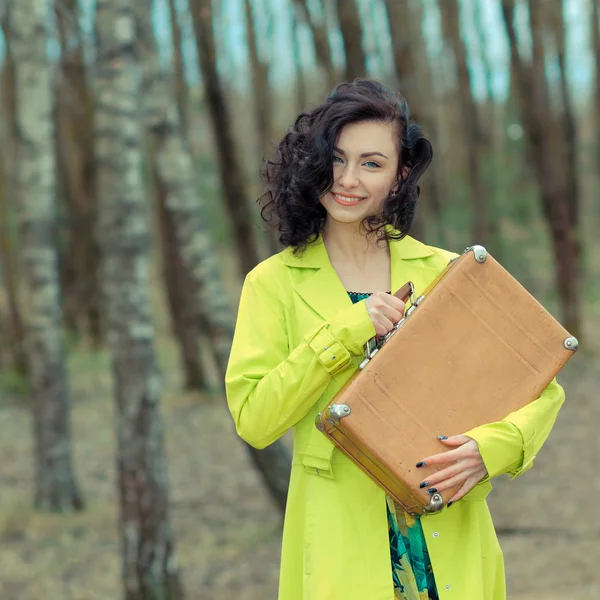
(226, 528)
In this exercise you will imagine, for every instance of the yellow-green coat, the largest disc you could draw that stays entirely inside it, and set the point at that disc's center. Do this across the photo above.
(298, 338)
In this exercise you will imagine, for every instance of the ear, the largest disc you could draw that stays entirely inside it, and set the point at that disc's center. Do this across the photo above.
(405, 172)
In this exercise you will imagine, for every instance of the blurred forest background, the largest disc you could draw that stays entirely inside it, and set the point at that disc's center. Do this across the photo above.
(131, 136)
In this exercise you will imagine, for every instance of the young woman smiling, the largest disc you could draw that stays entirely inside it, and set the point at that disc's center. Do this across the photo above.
(342, 192)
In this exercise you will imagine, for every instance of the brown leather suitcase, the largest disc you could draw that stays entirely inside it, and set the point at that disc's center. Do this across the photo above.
(474, 347)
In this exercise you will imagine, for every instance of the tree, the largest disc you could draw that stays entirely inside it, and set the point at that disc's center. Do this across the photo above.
(12, 327)
(356, 60)
(470, 120)
(415, 86)
(56, 488)
(595, 24)
(230, 170)
(173, 165)
(321, 41)
(149, 564)
(76, 172)
(181, 85)
(546, 151)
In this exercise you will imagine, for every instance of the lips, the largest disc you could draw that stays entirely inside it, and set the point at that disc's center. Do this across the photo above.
(347, 200)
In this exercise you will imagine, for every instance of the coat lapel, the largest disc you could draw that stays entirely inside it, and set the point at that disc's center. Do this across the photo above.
(322, 289)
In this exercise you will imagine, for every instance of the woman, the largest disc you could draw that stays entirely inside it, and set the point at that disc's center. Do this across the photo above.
(343, 190)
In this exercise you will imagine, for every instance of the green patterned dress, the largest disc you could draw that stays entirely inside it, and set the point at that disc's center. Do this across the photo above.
(411, 568)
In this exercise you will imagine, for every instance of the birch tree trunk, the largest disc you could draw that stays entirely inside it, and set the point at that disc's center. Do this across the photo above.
(76, 170)
(230, 169)
(415, 86)
(149, 565)
(175, 170)
(319, 33)
(544, 140)
(181, 86)
(470, 121)
(595, 24)
(356, 60)
(301, 89)
(14, 332)
(56, 488)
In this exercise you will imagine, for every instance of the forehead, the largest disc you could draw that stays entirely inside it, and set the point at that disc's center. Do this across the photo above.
(369, 136)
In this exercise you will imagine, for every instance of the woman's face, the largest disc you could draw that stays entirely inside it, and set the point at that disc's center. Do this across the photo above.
(365, 164)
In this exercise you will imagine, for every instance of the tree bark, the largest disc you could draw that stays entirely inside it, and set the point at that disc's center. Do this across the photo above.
(149, 563)
(76, 171)
(415, 86)
(596, 45)
(301, 90)
(175, 169)
(15, 334)
(230, 170)
(178, 286)
(356, 60)
(544, 138)
(568, 120)
(181, 86)
(470, 121)
(319, 33)
(56, 488)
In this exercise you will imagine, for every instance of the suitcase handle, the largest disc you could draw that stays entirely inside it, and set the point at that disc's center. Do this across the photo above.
(405, 293)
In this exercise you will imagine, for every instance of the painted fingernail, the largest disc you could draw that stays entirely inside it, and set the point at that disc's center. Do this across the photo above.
(450, 503)
(420, 464)
(432, 491)
(424, 484)
(442, 437)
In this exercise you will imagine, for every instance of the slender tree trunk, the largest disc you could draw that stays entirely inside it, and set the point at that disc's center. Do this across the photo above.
(319, 33)
(596, 45)
(230, 170)
(181, 86)
(56, 488)
(415, 86)
(356, 60)
(175, 170)
(178, 286)
(544, 137)
(75, 155)
(568, 120)
(301, 90)
(469, 119)
(15, 334)
(149, 563)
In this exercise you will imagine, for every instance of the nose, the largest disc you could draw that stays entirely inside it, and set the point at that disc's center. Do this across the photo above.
(348, 178)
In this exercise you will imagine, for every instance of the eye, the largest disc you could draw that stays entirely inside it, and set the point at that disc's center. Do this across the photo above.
(372, 164)
(337, 159)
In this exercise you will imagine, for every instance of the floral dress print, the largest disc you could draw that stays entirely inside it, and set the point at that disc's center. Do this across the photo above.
(411, 568)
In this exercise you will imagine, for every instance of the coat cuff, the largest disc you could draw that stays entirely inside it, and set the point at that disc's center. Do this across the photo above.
(501, 447)
(334, 343)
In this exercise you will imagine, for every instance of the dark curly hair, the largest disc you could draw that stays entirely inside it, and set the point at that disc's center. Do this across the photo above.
(302, 170)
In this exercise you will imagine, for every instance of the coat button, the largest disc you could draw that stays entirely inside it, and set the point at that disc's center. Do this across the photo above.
(448, 587)
(436, 534)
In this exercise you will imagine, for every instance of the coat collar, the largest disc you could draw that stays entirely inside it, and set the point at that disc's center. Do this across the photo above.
(324, 291)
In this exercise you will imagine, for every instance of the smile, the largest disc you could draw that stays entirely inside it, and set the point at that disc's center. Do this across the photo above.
(347, 200)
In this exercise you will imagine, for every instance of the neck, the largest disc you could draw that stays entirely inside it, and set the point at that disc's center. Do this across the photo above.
(352, 242)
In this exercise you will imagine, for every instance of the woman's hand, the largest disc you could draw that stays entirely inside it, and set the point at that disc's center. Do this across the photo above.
(465, 466)
(385, 311)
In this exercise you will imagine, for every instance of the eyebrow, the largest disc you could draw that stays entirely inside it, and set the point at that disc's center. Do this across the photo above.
(363, 155)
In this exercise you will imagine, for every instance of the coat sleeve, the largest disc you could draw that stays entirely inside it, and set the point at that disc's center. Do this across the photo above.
(270, 386)
(511, 445)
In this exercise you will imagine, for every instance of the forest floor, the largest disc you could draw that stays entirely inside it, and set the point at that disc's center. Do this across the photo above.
(226, 528)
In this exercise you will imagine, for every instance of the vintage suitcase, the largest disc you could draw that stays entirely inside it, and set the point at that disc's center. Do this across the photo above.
(472, 348)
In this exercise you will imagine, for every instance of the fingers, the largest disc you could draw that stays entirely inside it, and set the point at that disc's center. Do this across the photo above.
(455, 440)
(385, 311)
